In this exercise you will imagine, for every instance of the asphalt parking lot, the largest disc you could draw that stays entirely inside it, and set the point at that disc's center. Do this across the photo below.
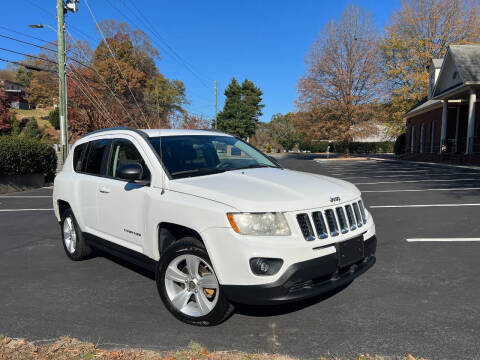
(421, 297)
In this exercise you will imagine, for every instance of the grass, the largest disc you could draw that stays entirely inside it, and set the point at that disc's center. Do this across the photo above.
(41, 115)
(66, 348)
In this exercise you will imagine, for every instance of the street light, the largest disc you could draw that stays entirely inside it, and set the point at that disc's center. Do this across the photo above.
(41, 26)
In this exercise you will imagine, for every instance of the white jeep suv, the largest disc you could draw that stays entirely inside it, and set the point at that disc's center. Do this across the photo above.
(218, 221)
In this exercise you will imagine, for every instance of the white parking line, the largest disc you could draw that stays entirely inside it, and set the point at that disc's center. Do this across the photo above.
(419, 206)
(11, 210)
(441, 239)
(406, 175)
(414, 181)
(419, 190)
(23, 197)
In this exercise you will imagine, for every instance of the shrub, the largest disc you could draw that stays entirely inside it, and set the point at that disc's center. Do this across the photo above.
(379, 147)
(22, 155)
(15, 126)
(54, 118)
(32, 130)
(319, 146)
(400, 144)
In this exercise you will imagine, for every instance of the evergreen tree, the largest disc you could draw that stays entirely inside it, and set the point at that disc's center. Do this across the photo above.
(54, 118)
(242, 109)
(32, 130)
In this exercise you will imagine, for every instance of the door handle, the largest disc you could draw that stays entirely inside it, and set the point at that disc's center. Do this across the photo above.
(104, 190)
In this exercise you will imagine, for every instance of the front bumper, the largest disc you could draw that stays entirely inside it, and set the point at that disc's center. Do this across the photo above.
(304, 279)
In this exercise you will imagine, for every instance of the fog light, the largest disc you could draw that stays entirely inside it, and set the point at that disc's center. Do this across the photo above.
(264, 266)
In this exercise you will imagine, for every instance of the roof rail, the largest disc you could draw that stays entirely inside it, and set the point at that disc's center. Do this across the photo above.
(140, 132)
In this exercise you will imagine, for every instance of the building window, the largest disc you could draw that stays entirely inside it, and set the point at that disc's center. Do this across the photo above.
(422, 138)
(432, 137)
(412, 139)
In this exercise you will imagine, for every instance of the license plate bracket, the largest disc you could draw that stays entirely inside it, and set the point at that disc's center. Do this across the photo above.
(350, 251)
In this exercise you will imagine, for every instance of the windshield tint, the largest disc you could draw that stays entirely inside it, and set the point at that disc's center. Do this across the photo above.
(196, 155)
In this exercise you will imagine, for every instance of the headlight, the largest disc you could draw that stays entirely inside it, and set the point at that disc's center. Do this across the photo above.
(273, 224)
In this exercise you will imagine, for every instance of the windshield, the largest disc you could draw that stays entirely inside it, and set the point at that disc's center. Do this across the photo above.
(196, 155)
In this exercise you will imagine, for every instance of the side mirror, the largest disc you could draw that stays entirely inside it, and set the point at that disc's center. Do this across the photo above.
(130, 172)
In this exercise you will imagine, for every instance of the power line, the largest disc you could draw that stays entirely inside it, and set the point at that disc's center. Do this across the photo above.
(31, 56)
(115, 60)
(166, 47)
(89, 99)
(186, 63)
(50, 14)
(33, 68)
(26, 35)
(28, 43)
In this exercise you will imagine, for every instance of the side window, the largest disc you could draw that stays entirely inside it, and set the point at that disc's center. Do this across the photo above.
(78, 156)
(125, 152)
(96, 155)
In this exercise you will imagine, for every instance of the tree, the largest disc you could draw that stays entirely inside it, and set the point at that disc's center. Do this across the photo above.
(5, 114)
(15, 126)
(342, 77)
(54, 118)
(421, 30)
(162, 98)
(283, 131)
(242, 109)
(32, 130)
(192, 121)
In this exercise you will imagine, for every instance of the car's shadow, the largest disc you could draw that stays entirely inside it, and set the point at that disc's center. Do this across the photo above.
(249, 310)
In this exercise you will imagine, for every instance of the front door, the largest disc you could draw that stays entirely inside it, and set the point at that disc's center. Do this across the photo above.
(121, 204)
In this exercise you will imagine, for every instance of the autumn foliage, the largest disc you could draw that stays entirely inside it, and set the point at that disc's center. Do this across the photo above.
(343, 76)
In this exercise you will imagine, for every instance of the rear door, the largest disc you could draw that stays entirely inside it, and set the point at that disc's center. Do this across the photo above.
(90, 168)
(121, 204)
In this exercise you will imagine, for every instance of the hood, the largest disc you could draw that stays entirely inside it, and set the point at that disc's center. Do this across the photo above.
(267, 189)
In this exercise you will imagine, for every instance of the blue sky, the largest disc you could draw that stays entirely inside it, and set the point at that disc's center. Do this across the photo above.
(263, 40)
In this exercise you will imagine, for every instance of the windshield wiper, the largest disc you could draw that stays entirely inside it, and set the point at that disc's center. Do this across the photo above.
(195, 172)
(253, 166)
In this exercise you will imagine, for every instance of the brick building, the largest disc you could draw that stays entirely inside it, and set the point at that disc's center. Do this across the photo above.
(445, 126)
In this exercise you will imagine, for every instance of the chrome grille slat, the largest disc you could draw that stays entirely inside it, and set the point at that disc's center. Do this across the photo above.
(332, 222)
(362, 211)
(351, 217)
(357, 214)
(342, 220)
(306, 227)
(320, 226)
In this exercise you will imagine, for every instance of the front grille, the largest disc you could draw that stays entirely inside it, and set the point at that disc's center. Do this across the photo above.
(331, 222)
(306, 227)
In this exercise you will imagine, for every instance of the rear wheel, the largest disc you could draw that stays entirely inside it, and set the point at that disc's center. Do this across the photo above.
(188, 285)
(72, 238)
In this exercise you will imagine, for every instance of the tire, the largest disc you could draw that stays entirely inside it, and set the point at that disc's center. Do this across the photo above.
(180, 284)
(72, 237)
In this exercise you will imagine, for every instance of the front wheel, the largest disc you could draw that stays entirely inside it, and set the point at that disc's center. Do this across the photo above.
(72, 238)
(188, 286)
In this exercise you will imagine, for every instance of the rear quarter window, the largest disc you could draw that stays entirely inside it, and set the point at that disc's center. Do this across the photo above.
(96, 157)
(78, 156)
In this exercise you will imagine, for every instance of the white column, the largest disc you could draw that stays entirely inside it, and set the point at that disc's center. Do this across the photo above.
(457, 124)
(443, 133)
(471, 121)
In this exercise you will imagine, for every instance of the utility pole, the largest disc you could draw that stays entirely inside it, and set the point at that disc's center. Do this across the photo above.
(62, 9)
(215, 104)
